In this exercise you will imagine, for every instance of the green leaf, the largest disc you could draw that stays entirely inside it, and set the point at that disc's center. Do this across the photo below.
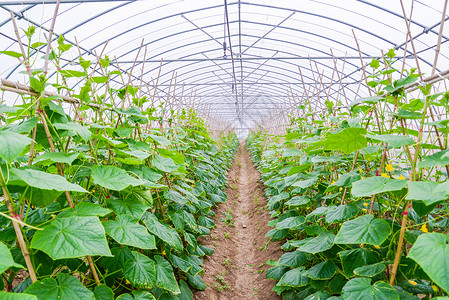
(12, 145)
(368, 100)
(161, 140)
(99, 79)
(431, 252)
(128, 232)
(85, 209)
(196, 281)
(322, 271)
(46, 181)
(291, 223)
(292, 152)
(337, 214)
(348, 140)
(103, 292)
(58, 157)
(72, 237)
(352, 259)
(137, 295)
(63, 287)
(6, 260)
(130, 206)
(361, 288)
(140, 271)
(164, 164)
(370, 270)
(363, 230)
(41, 198)
(320, 295)
(321, 243)
(376, 185)
(163, 232)
(113, 178)
(176, 197)
(395, 141)
(165, 279)
(425, 191)
(16, 296)
(186, 293)
(8, 109)
(24, 127)
(292, 259)
(12, 53)
(72, 73)
(79, 129)
(437, 159)
(294, 278)
(306, 183)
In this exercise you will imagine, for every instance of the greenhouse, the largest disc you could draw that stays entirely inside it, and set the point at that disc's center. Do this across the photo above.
(187, 149)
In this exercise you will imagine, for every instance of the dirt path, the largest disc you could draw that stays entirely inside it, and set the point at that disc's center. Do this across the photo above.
(237, 268)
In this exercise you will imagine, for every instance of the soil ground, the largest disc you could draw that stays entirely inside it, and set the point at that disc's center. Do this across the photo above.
(237, 268)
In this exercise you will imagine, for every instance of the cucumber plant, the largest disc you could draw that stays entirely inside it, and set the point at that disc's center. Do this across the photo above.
(360, 196)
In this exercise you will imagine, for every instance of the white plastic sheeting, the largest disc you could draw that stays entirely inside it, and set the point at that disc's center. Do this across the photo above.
(269, 39)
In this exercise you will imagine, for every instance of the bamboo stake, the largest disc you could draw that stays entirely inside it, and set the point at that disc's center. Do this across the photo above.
(50, 34)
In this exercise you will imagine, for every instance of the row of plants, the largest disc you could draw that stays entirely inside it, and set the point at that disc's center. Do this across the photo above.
(360, 196)
(106, 202)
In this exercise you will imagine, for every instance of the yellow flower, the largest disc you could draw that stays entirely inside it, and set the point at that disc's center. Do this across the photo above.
(434, 288)
(307, 207)
(401, 177)
(424, 228)
(364, 209)
(360, 171)
(363, 177)
(412, 282)
(163, 252)
(377, 247)
(333, 182)
(365, 204)
(340, 189)
(385, 175)
(127, 281)
(389, 168)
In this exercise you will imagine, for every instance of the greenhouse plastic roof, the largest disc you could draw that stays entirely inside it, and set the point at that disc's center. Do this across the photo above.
(268, 44)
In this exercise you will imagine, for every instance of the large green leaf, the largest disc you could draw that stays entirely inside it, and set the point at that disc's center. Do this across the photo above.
(352, 259)
(348, 140)
(431, 252)
(322, 271)
(41, 198)
(336, 214)
(165, 279)
(376, 185)
(12, 144)
(128, 232)
(163, 231)
(137, 295)
(164, 164)
(369, 100)
(6, 260)
(370, 270)
(140, 271)
(318, 244)
(63, 287)
(113, 178)
(46, 181)
(103, 292)
(426, 191)
(161, 140)
(395, 141)
(85, 209)
(294, 278)
(16, 296)
(363, 230)
(292, 259)
(437, 159)
(59, 157)
(175, 196)
(306, 183)
(79, 129)
(129, 206)
(72, 237)
(361, 289)
(291, 223)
